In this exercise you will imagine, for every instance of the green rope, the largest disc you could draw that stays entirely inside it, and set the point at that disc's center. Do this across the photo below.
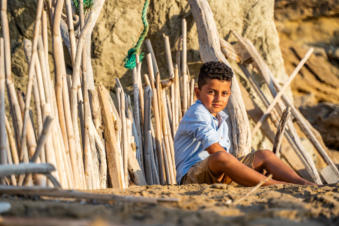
(130, 59)
(87, 4)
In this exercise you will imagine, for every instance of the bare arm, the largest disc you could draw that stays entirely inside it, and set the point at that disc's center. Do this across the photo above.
(214, 148)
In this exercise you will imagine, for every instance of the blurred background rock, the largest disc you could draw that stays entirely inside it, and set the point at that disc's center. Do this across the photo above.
(282, 31)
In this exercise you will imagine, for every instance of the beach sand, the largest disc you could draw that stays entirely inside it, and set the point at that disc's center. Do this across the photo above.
(198, 205)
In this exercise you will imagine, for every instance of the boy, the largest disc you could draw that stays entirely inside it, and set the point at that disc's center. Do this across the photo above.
(202, 142)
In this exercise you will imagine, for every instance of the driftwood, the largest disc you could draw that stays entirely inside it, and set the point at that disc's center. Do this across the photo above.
(184, 66)
(3, 134)
(295, 140)
(280, 132)
(12, 95)
(136, 113)
(210, 51)
(282, 90)
(113, 155)
(25, 168)
(158, 137)
(11, 143)
(70, 194)
(253, 189)
(42, 139)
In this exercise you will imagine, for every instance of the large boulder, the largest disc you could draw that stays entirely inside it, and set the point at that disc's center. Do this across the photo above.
(305, 24)
(119, 27)
(325, 118)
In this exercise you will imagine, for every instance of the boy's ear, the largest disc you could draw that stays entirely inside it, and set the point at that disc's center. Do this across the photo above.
(197, 92)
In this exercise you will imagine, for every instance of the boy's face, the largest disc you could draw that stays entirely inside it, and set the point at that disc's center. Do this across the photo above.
(214, 95)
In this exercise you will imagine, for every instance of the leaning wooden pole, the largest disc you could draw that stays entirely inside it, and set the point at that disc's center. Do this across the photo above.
(210, 51)
(3, 134)
(12, 96)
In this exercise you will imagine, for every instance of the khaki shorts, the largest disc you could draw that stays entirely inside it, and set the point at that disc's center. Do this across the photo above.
(201, 174)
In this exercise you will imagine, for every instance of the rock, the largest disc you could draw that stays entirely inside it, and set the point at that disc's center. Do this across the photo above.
(294, 9)
(325, 118)
(317, 80)
(305, 24)
(119, 27)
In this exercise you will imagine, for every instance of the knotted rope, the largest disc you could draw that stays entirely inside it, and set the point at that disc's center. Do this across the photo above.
(87, 3)
(130, 59)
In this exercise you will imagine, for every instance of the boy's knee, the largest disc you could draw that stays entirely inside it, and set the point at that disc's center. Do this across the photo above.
(264, 154)
(222, 157)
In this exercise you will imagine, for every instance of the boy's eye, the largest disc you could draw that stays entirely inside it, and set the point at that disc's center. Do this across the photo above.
(210, 92)
(224, 93)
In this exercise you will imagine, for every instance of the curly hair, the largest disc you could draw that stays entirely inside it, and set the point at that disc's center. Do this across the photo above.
(214, 70)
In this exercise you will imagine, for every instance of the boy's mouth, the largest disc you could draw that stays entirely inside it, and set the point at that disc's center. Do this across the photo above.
(216, 105)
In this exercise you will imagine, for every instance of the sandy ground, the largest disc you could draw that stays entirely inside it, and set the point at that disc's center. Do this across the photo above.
(198, 205)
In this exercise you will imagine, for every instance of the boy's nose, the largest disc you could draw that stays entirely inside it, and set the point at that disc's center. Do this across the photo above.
(217, 96)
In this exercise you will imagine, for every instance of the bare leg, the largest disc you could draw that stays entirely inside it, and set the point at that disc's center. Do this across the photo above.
(223, 162)
(265, 159)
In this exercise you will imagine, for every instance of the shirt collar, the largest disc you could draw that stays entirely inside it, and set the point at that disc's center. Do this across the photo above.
(222, 114)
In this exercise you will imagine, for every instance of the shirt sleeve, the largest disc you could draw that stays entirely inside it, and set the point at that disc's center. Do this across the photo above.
(199, 125)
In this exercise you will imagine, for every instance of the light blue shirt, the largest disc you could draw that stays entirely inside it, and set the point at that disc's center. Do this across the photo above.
(198, 130)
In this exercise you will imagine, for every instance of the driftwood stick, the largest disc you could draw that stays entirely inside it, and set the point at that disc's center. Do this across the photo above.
(24, 168)
(43, 137)
(136, 111)
(13, 180)
(31, 74)
(12, 95)
(184, 66)
(158, 134)
(12, 144)
(67, 194)
(282, 90)
(154, 61)
(209, 43)
(30, 135)
(37, 89)
(59, 64)
(171, 76)
(168, 135)
(164, 140)
(125, 147)
(134, 168)
(54, 181)
(229, 51)
(45, 33)
(280, 131)
(90, 170)
(102, 155)
(141, 94)
(168, 56)
(113, 154)
(307, 129)
(268, 77)
(192, 95)
(176, 109)
(253, 189)
(3, 134)
(148, 148)
(85, 32)
(71, 29)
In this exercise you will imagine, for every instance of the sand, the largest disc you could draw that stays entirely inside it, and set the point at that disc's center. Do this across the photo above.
(198, 205)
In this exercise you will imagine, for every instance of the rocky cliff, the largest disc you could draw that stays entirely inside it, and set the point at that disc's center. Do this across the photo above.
(120, 24)
(301, 24)
(305, 24)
